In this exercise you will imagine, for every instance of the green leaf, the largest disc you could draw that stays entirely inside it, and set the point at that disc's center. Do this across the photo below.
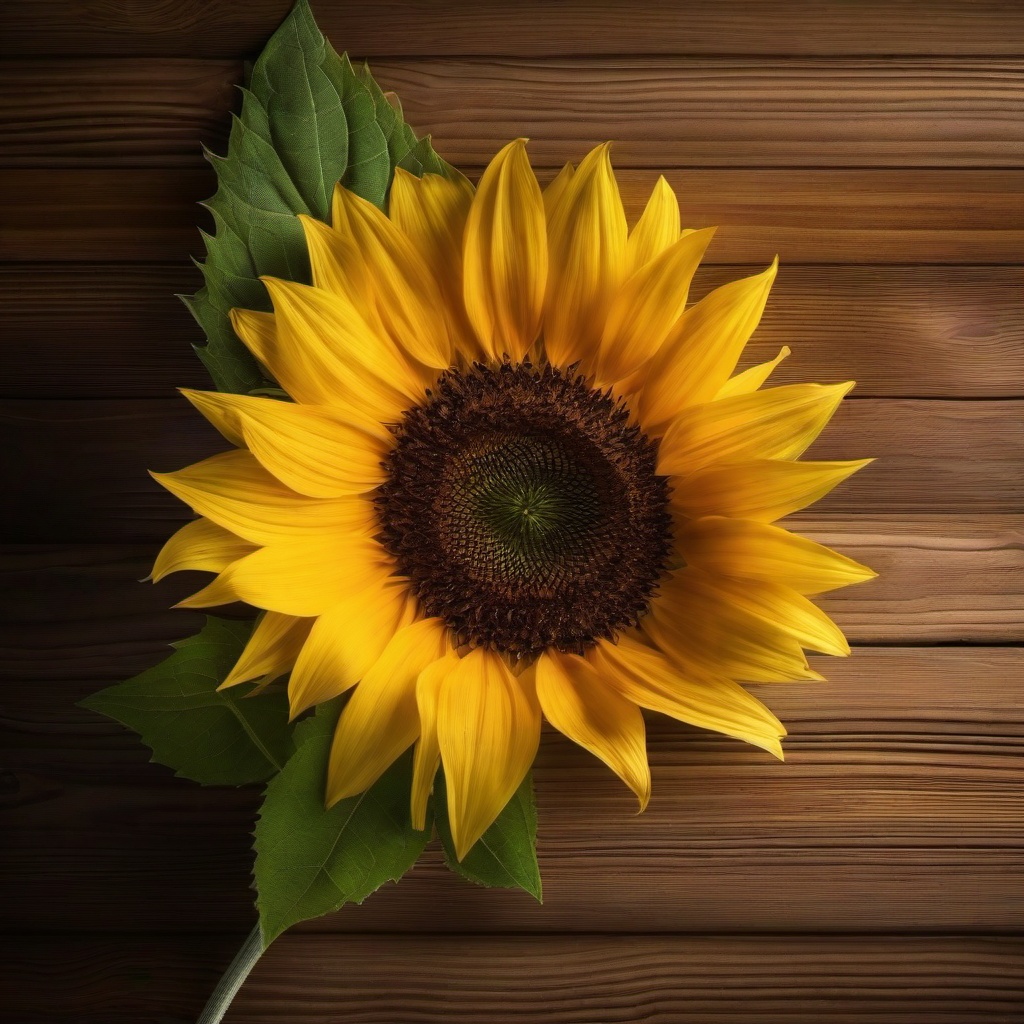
(228, 361)
(369, 167)
(505, 856)
(311, 861)
(308, 120)
(217, 738)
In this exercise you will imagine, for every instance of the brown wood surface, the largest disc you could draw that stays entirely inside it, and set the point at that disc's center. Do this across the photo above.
(602, 979)
(898, 797)
(720, 112)
(92, 456)
(877, 875)
(843, 216)
(116, 330)
(227, 28)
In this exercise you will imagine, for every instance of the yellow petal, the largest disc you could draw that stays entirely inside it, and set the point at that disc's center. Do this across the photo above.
(369, 261)
(488, 728)
(348, 638)
(779, 423)
(271, 650)
(745, 549)
(647, 305)
(506, 256)
(304, 577)
(586, 260)
(432, 212)
(779, 606)
(324, 354)
(703, 348)
(427, 756)
(698, 625)
(237, 493)
(645, 677)
(316, 450)
(657, 229)
(761, 489)
(555, 190)
(750, 380)
(381, 718)
(581, 705)
(259, 332)
(728, 644)
(708, 632)
(199, 545)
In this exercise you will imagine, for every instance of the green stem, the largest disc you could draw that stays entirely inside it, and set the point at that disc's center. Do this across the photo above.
(232, 979)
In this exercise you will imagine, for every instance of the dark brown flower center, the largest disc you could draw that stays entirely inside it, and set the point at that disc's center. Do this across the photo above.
(525, 509)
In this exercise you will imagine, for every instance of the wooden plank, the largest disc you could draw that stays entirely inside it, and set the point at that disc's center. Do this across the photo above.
(592, 979)
(78, 613)
(115, 331)
(807, 216)
(898, 808)
(224, 28)
(661, 112)
(721, 112)
(132, 113)
(92, 457)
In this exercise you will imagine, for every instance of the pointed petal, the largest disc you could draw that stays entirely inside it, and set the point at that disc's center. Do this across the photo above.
(648, 305)
(258, 330)
(581, 705)
(644, 676)
(271, 650)
(730, 645)
(381, 718)
(697, 625)
(750, 380)
(506, 255)
(427, 756)
(237, 493)
(303, 577)
(369, 260)
(779, 606)
(555, 190)
(780, 423)
(657, 229)
(325, 354)
(703, 349)
(348, 638)
(746, 549)
(587, 260)
(693, 628)
(488, 728)
(398, 290)
(316, 450)
(201, 545)
(432, 212)
(761, 489)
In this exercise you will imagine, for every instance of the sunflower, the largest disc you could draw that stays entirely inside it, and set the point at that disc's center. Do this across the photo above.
(516, 479)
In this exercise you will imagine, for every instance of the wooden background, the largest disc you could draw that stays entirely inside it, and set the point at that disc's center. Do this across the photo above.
(878, 147)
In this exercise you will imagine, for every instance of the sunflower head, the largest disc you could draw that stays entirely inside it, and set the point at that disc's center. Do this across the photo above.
(517, 477)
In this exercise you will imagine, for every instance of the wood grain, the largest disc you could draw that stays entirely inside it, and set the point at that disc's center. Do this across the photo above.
(132, 113)
(225, 28)
(842, 216)
(876, 876)
(91, 458)
(661, 112)
(572, 980)
(898, 800)
(114, 331)
(78, 614)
